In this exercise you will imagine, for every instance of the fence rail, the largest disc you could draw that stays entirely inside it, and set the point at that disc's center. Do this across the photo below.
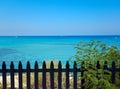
(52, 70)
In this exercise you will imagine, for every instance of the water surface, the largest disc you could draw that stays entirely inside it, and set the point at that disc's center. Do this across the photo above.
(40, 48)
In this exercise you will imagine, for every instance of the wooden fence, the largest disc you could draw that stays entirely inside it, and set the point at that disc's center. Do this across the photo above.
(36, 70)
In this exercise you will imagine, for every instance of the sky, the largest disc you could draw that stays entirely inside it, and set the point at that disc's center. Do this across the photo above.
(59, 17)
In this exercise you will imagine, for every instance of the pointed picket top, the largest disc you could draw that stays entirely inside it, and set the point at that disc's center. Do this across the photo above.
(98, 65)
(36, 65)
(3, 65)
(20, 65)
(75, 65)
(105, 65)
(12, 65)
(67, 65)
(59, 65)
(51, 65)
(28, 65)
(113, 64)
(82, 64)
(44, 65)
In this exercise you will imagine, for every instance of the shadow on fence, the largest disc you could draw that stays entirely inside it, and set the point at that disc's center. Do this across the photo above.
(48, 78)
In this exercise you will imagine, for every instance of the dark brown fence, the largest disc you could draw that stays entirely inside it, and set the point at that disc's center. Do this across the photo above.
(67, 70)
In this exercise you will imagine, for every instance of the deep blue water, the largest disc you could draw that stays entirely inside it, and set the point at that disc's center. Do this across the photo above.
(40, 48)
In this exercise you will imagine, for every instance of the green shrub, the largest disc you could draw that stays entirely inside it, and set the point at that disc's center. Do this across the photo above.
(92, 52)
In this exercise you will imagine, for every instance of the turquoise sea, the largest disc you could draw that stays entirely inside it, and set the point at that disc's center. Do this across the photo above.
(40, 48)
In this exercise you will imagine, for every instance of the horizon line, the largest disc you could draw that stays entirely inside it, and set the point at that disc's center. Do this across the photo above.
(52, 35)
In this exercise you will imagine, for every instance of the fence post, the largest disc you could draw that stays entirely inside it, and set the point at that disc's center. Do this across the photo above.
(4, 75)
(12, 74)
(20, 74)
(59, 75)
(75, 75)
(52, 75)
(28, 75)
(36, 75)
(67, 75)
(82, 75)
(113, 72)
(44, 75)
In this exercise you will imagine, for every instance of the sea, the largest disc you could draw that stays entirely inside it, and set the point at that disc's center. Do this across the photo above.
(45, 48)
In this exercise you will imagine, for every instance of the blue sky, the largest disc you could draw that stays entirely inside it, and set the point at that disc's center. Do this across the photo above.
(59, 17)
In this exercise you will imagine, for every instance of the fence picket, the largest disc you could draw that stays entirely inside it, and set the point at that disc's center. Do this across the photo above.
(44, 75)
(4, 75)
(67, 75)
(59, 75)
(119, 68)
(98, 65)
(97, 68)
(12, 74)
(52, 75)
(75, 75)
(113, 72)
(28, 75)
(20, 74)
(82, 75)
(36, 75)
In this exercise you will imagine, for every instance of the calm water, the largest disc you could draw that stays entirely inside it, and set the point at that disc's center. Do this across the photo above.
(45, 47)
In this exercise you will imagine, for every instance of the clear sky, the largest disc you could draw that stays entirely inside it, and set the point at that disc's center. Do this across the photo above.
(59, 17)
